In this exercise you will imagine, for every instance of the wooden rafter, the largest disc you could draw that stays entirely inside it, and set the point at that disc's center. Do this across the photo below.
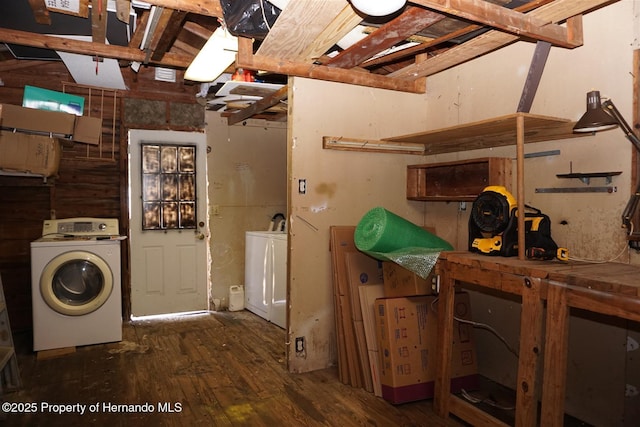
(259, 106)
(76, 46)
(99, 21)
(167, 30)
(411, 21)
(246, 59)
(201, 7)
(556, 11)
(138, 35)
(503, 18)
(423, 46)
(197, 30)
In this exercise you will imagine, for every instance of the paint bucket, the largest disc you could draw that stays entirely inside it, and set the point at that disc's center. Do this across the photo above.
(236, 298)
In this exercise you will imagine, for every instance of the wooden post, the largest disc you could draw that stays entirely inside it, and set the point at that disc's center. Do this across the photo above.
(530, 350)
(555, 357)
(444, 344)
(520, 182)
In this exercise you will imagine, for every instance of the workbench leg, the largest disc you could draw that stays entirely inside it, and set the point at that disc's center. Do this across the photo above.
(555, 357)
(444, 345)
(530, 339)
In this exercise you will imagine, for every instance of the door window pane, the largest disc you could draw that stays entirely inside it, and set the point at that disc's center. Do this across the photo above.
(168, 187)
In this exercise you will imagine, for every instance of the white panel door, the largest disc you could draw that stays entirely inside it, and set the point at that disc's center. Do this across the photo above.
(169, 264)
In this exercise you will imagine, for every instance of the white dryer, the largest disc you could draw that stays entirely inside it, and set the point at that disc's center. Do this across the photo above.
(76, 283)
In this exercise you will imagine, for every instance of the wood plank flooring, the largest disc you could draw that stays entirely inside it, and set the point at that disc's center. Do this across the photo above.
(217, 369)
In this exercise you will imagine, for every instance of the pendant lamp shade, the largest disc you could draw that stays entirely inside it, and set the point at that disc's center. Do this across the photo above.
(378, 7)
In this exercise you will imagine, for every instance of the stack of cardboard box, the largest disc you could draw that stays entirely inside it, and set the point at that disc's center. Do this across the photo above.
(406, 331)
(30, 138)
(386, 326)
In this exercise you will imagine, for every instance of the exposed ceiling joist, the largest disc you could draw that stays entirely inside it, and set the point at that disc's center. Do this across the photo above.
(395, 31)
(99, 21)
(259, 106)
(422, 47)
(95, 49)
(502, 18)
(557, 11)
(169, 25)
(201, 7)
(321, 72)
(317, 39)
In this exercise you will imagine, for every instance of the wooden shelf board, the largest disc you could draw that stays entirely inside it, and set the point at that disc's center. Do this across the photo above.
(496, 132)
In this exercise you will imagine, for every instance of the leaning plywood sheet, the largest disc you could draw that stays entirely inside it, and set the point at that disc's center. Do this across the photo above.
(341, 243)
(362, 270)
(368, 296)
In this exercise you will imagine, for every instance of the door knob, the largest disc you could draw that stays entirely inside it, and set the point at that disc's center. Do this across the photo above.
(200, 236)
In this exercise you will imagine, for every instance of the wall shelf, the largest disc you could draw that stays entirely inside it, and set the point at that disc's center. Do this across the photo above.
(586, 177)
(497, 132)
(457, 181)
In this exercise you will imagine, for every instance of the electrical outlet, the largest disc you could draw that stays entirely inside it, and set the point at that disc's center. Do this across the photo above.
(300, 347)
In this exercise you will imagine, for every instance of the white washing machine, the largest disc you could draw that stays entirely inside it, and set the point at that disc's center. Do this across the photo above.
(76, 283)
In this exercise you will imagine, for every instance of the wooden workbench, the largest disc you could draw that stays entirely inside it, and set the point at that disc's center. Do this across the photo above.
(606, 288)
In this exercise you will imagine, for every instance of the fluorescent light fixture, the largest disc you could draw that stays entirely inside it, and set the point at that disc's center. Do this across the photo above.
(378, 7)
(335, 143)
(214, 58)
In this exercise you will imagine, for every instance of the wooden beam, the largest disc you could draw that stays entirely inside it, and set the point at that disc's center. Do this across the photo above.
(321, 72)
(40, 12)
(87, 48)
(556, 11)
(166, 32)
(341, 25)
(98, 21)
(502, 18)
(259, 106)
(198, 30)
(201, 7)
(411, 21)
(138, 35)
(439, 40)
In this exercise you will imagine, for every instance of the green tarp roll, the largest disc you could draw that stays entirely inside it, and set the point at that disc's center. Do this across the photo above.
(389, 237)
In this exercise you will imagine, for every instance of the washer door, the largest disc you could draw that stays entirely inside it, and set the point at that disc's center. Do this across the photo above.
(76, 283)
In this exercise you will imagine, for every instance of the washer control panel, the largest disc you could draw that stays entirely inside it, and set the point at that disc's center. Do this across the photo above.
(81, 227)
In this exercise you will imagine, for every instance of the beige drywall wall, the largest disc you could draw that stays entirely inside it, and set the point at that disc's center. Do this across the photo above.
(341, 187)
(247, 168)
(588, 224)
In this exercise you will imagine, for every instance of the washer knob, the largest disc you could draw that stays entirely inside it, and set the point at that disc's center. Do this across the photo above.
(102, 226)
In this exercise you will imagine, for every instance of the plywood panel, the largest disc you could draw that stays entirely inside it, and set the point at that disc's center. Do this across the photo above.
(341, 188)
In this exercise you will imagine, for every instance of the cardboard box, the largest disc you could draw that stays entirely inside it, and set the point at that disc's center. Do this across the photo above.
(406, 330)
(22, 152)
(36, 121)
(87, 130)
(51, 100)
(400, 282)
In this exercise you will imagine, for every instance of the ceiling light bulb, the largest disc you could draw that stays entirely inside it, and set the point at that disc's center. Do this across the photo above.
(378, 7)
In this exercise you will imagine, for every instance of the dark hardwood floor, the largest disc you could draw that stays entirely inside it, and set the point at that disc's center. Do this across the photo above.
(218, 369)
